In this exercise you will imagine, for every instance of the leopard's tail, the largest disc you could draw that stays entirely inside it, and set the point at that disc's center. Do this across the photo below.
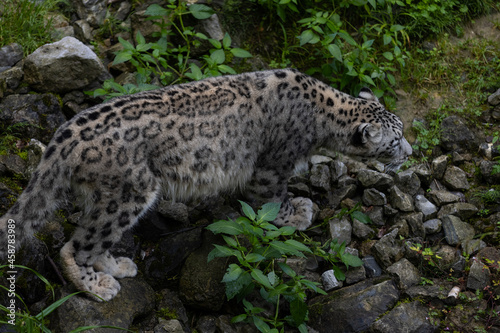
(46, 191)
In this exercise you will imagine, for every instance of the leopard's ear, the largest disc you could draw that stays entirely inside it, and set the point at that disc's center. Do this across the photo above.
(366, 93)
(365, 133)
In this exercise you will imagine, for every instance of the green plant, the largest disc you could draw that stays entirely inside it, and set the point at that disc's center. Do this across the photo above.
(162, 62)
(262, 251)
(23, 321)
(262, 264)
(26, 22)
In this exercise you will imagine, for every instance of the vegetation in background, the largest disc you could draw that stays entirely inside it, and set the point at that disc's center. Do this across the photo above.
(26, 22)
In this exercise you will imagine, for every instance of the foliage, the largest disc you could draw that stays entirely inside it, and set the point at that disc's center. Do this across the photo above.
(429, 136)
(262, 251)
(162, 63)
(26, 22)
(25, 322)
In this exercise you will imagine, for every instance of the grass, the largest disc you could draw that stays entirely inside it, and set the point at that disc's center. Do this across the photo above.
(25, 22)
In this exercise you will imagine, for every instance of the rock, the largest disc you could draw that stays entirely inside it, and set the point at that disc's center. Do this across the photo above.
(63, 66)
(455, 178)
(83, 31)
(442, 197)
(428, 209)
(200, 283)
(473, 245)
(494, 99)
(12, 78)
(10, 55)
(329, 280)
(456, 135)
(337, 170)
(479, 275)
(405, 273)
(376, 215)
(372, 197)
(42, 112)
(400, 200)
(423, 173)
(455, 230)
(408, 182)
(168, 326)
(135, 298)
(300, 189)
(371, 267)
(206, 324)
(361, 230)
(170, 251)
(448, 256)
(320, 177)
(355, 274)
(427, 293)
(388, 249)
(415, 223)
(432, 226)
(341, 230)
(13, 164)
(461, 209)
(170, 307)
(176, 211)
(353, 308)
(406, 317)
(377, 180)
(92, 11)
(438, 166)
(486, 168)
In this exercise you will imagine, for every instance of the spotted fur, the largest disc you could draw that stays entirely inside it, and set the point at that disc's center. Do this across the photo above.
(198, 139)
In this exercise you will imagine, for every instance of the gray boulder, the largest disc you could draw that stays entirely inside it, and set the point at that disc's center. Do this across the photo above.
(63, 66)
(400, 200)
(455, 178)
(405, 273)
(135, 298)
(10, 55)
(353, 308)
(92, 11)
(456, 135)
(455, 230)
(406, 317)
(370, 178)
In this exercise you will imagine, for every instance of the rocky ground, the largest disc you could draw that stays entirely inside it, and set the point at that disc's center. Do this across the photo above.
(430, 253)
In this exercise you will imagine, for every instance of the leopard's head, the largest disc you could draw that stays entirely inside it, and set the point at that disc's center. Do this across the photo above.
(378, 134)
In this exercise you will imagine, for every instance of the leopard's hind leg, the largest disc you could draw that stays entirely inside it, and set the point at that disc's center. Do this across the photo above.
(86, 258)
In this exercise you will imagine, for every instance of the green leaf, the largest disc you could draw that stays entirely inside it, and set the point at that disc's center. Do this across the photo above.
(387, 39)
(254, 257)
(238, 318)
(126, 44)
(196, 73)
(247, 210)
(367, 44)
(269, 211)
(218, 56)
(258, 276)
(222, 252)
(335, 51)
(156, 10)
(287, 269)
(122, 57)
(140, 38)
(306, 36)
(388, 56)
(298, 309)
(397, 27)
(201, 11)
(226, 69)
(273, 278)
(261, 325)
(233, 273)
(227, 227)
(361, 217)
(367, 79)
(351, 260)
(345, 36)
(298, 245)
(230, 241)
(226, 41)
(240, 53)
